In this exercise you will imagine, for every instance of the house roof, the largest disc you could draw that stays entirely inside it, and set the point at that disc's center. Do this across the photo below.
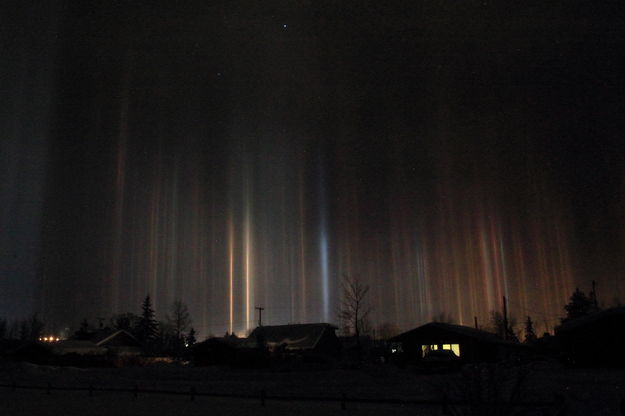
(75, 344)
(229, 341)
(294, 337)
(105, 336)
(465, 331)
(590, 319)
(232, 340)
(79, 346)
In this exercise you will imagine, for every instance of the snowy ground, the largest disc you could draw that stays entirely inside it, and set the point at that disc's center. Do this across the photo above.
(584, 392)
(104, 404)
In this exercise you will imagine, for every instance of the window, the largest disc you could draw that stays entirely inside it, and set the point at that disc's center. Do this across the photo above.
(425, 349)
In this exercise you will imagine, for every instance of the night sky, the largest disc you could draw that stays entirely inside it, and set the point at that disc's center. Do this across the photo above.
(242, 154)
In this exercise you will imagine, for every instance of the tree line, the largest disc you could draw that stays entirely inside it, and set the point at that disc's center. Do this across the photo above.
(171, 336)
(29, 329)
(175, 333)
(354, 310)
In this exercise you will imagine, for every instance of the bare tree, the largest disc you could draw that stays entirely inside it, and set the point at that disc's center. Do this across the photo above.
(179, 318)
(126, 321)
(353, 309)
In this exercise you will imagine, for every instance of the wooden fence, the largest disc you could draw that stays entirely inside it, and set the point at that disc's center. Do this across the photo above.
(555, 407)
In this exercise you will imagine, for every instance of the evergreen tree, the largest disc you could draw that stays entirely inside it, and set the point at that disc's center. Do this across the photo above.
(530, 335)
(147, 327)
(579, 306)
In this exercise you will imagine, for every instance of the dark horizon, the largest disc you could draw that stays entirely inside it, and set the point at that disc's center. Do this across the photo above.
(239, 155)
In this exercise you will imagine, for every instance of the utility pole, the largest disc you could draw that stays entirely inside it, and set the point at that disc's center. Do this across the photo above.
(594, 295)
(505, 319)
(475, 321)
(260, 315)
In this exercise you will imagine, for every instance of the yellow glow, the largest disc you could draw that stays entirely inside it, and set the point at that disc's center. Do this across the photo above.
(455, 348)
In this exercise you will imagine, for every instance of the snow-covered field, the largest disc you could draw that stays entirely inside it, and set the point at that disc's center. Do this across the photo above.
(583, 391)
(105, 404)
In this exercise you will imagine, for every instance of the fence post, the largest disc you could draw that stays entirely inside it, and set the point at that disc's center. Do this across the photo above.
(262, 398)
(192, 393)
(445, 405)
(343, 400)
(560, 405)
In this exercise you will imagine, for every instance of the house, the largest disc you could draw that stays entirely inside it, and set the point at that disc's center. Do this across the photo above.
(218, 351)
(466, 344)
(308, 339)
(313, 341)
(103, 342)
(594, 340)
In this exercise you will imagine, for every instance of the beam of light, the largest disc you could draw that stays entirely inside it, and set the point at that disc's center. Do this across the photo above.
(231, 275)
(302, 250)
(120, 179)
(486, 270)
(325, 274)
(423, 293)
(173, 285)
(323, 245)
(120, 176)
(248, 272)
(282, 240)
(154, 231)
(504, 267)
(247, 198)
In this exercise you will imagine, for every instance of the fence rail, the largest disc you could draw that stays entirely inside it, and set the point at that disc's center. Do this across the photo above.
(263, 398)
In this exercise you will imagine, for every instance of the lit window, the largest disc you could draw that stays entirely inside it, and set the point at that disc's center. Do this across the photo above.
(425, 349)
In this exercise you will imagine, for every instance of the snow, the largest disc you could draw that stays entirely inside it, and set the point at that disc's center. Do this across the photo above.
(583, 391)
